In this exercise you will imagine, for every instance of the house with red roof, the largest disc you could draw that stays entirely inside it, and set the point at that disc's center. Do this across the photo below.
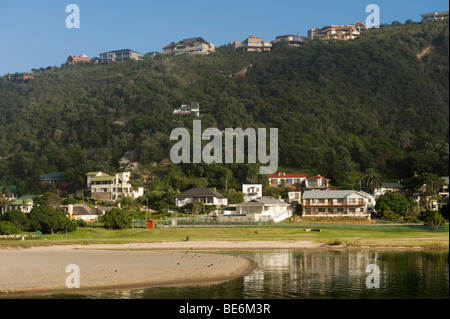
(74, 59)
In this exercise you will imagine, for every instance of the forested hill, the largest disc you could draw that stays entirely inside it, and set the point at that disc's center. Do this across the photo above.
(380, 101)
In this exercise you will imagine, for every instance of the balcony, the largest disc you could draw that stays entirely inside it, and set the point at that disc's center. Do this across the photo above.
(334, 204)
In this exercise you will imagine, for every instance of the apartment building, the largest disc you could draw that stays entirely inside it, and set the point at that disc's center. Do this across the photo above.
(337, 203)
(105, 187)
(251, 44)
(434, 16)
(120, 56)
(196, 45)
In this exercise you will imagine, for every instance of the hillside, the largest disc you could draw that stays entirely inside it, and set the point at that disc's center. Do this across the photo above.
(380, 101)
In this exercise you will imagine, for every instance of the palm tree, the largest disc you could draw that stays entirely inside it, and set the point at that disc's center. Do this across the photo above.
(370, 180)
(414, 209)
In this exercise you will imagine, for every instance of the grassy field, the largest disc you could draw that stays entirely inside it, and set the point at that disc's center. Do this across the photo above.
(376, 235)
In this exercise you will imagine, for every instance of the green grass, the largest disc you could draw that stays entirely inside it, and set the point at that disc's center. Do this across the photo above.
(331, 234)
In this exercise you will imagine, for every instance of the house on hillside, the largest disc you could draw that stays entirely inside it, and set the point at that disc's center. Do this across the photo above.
(105, 187)
(20, 77)
(337, 32)
(292, 40)
(434, 16)
(392, 187)
(194, 108)
(54, 178)
(120, 56)
(10, 190)
(338, 203)
(251, 191)
(251, 44)
(316, 182)
(24, 203)
(425, 198)
(201, 195)
(264, 209)
(295, 179)
(196, 45)
(74, 59)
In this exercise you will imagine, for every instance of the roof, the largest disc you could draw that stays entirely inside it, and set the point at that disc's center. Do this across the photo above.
(124, 50)
(392, 185)
(199, 192)
(328, 194)
(193, 40)
(318, 176)
(170, 45)
(102, 178)
(53, 176)
(95, 173)
(265, 200)
(287, 175)
(12, 189)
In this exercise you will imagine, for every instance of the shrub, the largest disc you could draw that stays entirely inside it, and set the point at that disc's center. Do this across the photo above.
(8, 228)
(433, 219)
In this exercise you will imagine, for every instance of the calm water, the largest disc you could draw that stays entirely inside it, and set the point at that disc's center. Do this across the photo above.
(307, 274)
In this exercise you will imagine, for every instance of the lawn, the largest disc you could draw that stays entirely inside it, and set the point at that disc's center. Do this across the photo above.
(375, 235)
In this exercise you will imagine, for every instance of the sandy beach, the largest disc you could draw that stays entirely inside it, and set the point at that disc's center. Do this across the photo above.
(43, 269)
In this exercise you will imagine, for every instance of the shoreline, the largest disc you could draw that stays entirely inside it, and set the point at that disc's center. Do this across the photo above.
(26, 271)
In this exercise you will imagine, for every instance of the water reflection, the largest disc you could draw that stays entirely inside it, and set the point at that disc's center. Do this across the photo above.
(289, 274)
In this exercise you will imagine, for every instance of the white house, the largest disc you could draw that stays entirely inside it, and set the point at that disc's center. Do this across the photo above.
(393, 187)
(265, 209)
(105, 187)
(251, 191)
(201, 195)
(317, 182)
(290, 178)
(337, 203)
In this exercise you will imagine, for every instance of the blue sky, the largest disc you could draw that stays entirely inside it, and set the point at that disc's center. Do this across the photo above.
(33, 34)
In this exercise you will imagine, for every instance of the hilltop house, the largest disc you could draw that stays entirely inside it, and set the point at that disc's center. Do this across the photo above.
(251, 191)
(120, 56)
(189, 46)
(338, 32)
(336, 203)
(252, 43)
(105, 187)
(295, 179)
(54, 178)
(264, 209)
(201, 195)
(74, 59)
(292, 40)
(20, 77)
(434, 16)
(10, 190)
(194, 108)
(393, 187)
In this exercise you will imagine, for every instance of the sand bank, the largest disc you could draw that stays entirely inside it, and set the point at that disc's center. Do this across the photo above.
(43, 269)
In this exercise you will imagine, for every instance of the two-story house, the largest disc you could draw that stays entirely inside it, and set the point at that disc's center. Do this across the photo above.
(120, 56)
(295, 179)
(337, 32)
(74, 59)
(264, 209)
(105, 187)
(337, 203)
(251, 191)
(316, 182)
(251, 44)
(196, 45)
(292, 40)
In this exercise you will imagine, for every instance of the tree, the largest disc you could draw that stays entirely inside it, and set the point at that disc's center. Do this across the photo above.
(413, 210)
(18, 218)
(371, 180)
(50, 221)
(391, 201)
(117, 219)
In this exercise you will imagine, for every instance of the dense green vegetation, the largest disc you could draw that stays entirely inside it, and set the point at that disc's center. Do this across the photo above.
(342, 108)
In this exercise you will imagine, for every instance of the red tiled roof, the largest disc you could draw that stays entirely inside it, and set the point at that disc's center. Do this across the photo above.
(320, 177)
(287, 175)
